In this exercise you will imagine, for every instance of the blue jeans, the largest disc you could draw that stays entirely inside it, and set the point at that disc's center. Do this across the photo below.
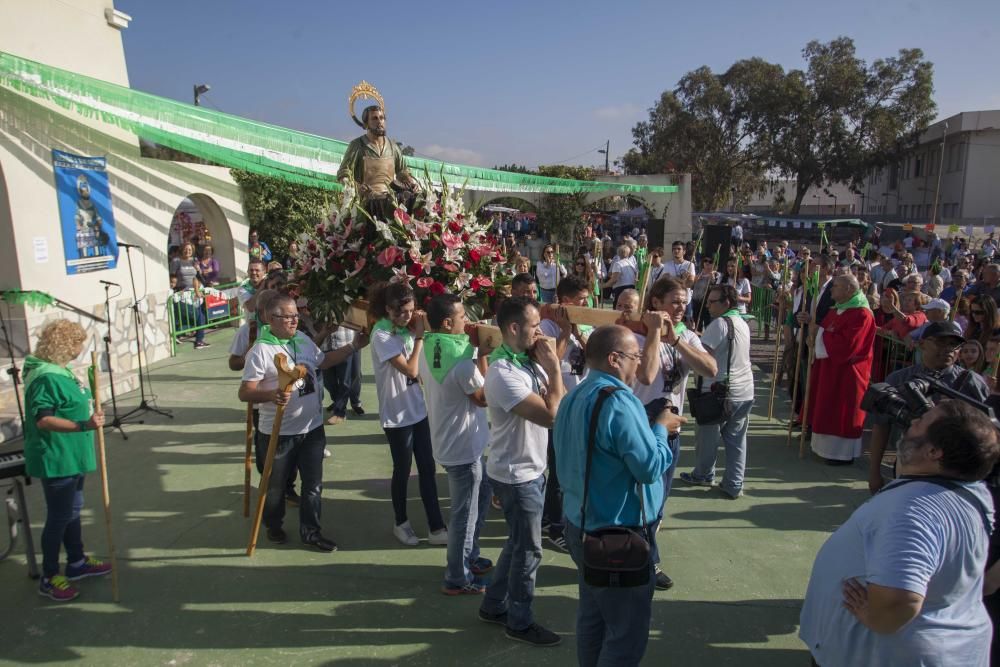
(343, 382)
(305, 452)
(513, 585)
(188, 315)
(546, 295)
(63, 502)
(612, 624)
(470, 499)
(731, 433)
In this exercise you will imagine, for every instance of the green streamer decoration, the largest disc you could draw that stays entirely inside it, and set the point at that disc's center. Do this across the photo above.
(261, 148)
(31, 298)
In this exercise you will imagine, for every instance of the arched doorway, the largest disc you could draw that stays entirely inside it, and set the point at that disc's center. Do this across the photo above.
(200, 219)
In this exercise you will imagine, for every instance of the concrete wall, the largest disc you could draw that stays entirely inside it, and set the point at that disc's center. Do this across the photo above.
(145, 192)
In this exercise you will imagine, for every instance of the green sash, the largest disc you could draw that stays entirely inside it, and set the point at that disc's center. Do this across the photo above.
(857, 301)
(504, 352)
(442, 351)
(265, 335)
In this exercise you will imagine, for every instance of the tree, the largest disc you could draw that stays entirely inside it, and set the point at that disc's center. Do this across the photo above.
(710, 125)
(830, 123)
(560, 215)
(841, 117)
(280, 210)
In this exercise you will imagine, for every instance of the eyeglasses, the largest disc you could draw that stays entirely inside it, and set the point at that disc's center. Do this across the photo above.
(287, 318)
(634, 356)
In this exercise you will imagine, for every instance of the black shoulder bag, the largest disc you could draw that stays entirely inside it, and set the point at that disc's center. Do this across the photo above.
(614, 556)
(710, 408)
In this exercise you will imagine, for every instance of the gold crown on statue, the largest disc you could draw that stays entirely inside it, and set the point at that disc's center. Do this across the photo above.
(364, 91)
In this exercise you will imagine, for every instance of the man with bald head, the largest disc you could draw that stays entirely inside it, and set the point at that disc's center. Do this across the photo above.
(612, 623)
(841, 373)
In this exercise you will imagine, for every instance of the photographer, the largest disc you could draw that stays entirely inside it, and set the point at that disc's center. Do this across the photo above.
(727, 339)
(612, 622)
(939, 346)
(900, 583)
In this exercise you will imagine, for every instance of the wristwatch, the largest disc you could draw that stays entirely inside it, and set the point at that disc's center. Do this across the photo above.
(82, 426)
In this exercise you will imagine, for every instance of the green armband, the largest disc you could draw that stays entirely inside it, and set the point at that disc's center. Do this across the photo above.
(83, 426)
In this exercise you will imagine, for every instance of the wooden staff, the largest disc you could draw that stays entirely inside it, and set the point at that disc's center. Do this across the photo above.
(248, 454)
(804, 283)
(805, 401)
(777, 355)
(103, 467)
(287, 377)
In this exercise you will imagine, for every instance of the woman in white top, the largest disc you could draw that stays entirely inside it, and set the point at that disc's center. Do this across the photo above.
(548, 272)
(742, 286)
(624, 272)
(397, 342)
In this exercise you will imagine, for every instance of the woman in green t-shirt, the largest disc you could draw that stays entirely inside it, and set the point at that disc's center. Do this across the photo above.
(59, 450)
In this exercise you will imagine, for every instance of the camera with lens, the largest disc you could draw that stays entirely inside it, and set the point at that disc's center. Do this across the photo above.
(672, 378)
(911, 400)
(656, 406)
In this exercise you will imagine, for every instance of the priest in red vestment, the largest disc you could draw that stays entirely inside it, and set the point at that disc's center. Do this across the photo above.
(841, 373)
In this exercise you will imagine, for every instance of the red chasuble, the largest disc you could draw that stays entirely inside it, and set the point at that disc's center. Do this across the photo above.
(839, 381)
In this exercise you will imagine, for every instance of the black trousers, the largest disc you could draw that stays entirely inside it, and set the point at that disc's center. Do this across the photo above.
(305, 453)
(260, 453)
(405, 444)
(553, 509)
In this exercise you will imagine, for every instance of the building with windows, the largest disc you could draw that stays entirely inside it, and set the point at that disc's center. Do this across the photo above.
(957, 158)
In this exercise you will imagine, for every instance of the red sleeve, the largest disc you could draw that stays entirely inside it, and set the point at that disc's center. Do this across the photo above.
(850, 336)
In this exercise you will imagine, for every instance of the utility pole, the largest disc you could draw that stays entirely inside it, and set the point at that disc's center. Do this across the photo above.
(199, 90)
(937, 189)
(607, 156)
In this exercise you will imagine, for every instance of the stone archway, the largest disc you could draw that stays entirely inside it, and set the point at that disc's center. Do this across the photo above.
(198, 214)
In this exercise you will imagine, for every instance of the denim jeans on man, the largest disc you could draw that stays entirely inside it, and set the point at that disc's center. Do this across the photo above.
(612, 624)
(305, 452)
(187, 316)
(513, 585)
(470, 500)
(343, 382)
(732, 433)
(63, 503)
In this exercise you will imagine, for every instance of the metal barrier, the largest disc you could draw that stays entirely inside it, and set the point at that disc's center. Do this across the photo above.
(189, 313)
(762, 308)
(889, 354)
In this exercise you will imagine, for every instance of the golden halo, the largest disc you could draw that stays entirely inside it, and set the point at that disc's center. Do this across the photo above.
(363, 91)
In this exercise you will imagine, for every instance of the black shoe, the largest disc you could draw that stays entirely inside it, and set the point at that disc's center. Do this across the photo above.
(277, 535)
(320, 542)
(357, 409)
(498, 619)
(838, 462)
(535, 635)
(663, 582)
(292, 498)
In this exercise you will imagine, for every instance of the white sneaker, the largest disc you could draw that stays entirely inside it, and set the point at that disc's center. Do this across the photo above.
(326, 453)
(404, 533)
(439, 538)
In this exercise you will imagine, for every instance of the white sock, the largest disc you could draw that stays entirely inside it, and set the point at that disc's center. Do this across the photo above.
(78, 563)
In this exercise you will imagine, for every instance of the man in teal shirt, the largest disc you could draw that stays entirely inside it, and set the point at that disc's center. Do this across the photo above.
(612, 624)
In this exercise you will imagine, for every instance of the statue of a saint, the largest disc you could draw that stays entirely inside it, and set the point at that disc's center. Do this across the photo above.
(376, 164)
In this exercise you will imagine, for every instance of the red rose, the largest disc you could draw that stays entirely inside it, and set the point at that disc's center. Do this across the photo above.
(425, 282)
(492, 292)
(474, 255)
(438, 288)
(436, 228)
(467, 265)
(415, 269)
(434, 244)
(454, 227)
(465, 236)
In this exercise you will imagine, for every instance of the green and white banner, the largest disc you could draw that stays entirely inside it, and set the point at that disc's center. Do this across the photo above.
(240, 143)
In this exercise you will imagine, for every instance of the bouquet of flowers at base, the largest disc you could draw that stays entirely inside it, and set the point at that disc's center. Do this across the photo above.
(436, 247)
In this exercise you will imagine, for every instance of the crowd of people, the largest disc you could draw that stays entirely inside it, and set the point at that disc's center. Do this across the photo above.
(573, 433)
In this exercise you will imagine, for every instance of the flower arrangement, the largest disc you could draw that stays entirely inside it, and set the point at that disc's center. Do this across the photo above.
(437, 247)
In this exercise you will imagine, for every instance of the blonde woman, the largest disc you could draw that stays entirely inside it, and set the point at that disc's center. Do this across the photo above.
(59, 450)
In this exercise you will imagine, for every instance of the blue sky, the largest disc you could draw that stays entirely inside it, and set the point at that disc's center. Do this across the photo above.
(528, 82)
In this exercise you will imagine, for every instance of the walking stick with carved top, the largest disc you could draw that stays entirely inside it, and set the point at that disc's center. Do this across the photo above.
(248, 455)
(287, 377)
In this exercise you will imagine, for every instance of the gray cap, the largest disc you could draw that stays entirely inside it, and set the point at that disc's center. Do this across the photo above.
(946, 329)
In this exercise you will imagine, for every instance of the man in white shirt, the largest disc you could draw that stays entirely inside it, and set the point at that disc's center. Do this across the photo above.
(523, 390)
(453, 384)
(624, 272)
(301, 439)
(679, 268)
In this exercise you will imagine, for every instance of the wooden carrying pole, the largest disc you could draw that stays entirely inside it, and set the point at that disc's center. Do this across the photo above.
(805, 402)
(287, 377)
(804, 285)
(102, 464)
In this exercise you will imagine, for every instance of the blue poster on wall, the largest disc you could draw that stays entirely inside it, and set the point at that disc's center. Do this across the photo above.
(85, 215)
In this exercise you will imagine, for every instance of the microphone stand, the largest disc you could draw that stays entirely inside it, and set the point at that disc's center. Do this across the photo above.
(144, 405)
(116, 422)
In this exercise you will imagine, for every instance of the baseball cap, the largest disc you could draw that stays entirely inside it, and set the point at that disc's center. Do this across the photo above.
(937, 304)
(943, 330)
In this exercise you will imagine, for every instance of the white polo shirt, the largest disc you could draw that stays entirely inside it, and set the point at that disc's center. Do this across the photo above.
(459, 430)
